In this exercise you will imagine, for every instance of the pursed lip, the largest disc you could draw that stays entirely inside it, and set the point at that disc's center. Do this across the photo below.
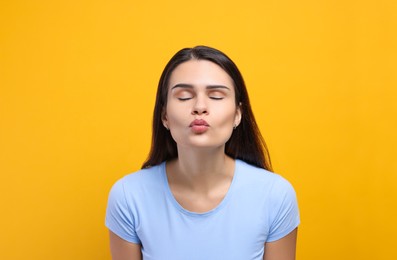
(199, 122)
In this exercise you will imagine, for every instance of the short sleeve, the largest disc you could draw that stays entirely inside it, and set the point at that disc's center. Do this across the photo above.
(285, 213)
(119, 218)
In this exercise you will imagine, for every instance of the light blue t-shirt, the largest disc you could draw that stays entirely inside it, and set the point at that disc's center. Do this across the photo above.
(259, 207)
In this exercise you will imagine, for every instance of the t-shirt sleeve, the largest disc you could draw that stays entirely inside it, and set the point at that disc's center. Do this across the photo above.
(285, 213)
(119, 218)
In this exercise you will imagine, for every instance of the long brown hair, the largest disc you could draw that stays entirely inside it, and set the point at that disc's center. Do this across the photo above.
(246, 142)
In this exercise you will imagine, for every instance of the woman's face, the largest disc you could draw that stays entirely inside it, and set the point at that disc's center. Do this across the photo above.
(201, 110)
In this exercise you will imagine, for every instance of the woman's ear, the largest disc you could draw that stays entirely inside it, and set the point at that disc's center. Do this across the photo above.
(164, 119)
(237, 117)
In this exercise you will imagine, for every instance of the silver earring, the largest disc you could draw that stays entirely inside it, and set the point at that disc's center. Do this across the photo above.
(166, 127)
(234, 127)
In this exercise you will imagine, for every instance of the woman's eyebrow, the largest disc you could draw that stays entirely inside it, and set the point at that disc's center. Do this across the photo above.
(217, 86)
(183, 85)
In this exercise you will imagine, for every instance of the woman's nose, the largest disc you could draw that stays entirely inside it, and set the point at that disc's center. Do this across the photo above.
(200, 107)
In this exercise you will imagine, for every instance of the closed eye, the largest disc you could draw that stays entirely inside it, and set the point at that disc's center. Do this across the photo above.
(216, 98)
(183, 94)
(184, 98)
(216, 94)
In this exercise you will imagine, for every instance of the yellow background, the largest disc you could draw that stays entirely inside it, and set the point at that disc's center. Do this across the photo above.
(77, 87)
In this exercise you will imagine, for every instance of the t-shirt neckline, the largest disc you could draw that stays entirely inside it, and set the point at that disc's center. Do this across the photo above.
(221, 205)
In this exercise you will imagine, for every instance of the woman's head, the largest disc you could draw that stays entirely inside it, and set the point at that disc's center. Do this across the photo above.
(201, 109)
(245, 142)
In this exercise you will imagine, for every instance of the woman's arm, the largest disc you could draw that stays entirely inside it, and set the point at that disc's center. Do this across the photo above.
(282, 249)
(123, 250)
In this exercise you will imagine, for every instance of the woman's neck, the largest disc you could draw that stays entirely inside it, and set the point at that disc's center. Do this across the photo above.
(200, 170)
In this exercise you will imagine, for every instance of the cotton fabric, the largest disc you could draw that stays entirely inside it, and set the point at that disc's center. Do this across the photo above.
(259, 207)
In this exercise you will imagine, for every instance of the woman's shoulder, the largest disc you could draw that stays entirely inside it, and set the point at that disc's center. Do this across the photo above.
(140, 179)
(256, 176)
(253, 171)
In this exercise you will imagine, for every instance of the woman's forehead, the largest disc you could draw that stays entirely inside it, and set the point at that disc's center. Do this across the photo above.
(200, 73)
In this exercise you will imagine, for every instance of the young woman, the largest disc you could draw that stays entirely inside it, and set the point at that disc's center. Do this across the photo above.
(206, 190)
